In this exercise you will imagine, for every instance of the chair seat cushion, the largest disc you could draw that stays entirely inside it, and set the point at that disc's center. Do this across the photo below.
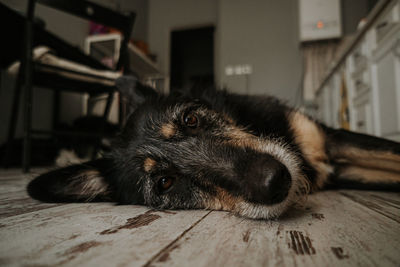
(45, 61)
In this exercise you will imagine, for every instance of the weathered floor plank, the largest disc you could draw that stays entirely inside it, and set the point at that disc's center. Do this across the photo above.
(14, 199)
(332, 231)
(91, 234)
(382, 204)
(15, 206)
(82, 234)
(335, 228)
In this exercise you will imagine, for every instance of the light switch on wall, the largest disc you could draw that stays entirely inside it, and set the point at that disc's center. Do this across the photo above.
(243, 69)
(238, 77)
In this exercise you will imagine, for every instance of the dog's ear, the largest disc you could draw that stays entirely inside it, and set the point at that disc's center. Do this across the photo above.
(77, 183)
(133, 91)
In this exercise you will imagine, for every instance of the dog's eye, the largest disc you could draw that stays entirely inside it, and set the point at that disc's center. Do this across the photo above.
(191, 120)
(165, 183)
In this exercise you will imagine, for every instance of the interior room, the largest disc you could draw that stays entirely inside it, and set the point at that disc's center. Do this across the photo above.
(209, 133)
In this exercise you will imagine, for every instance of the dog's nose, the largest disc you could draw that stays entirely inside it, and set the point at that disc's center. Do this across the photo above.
(269, 180)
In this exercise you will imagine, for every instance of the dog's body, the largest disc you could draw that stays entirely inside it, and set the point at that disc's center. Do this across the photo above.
(251, 155)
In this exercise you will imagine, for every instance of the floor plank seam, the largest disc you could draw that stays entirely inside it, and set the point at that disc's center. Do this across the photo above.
(167, 247)
(390, 202)
(364, 204)
(32, 211)
(6, 216)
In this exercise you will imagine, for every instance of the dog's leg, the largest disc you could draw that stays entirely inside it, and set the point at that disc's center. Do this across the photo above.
(363, 161)
(76, 183)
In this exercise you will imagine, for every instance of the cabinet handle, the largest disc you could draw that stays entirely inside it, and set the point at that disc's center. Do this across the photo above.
(360, 123)
(381, 25)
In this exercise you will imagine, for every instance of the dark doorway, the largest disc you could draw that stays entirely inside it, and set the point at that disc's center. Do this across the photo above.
(192, 58)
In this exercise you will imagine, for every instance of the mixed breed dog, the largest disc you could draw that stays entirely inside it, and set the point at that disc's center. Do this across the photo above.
(211, 149)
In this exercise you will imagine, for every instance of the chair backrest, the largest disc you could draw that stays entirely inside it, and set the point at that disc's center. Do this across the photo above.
(94, 12)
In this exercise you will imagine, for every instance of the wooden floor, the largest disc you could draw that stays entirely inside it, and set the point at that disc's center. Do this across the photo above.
(335, 228)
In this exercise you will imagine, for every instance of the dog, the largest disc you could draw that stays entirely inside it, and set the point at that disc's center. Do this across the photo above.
(211, 149)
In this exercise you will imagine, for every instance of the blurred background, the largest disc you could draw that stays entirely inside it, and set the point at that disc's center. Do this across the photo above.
(338, 60)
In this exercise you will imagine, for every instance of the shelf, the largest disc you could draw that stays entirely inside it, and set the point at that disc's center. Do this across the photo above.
(141, 64)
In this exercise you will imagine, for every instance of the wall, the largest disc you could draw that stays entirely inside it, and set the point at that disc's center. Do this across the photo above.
(263, 34)
(260, 33)
(165, 16)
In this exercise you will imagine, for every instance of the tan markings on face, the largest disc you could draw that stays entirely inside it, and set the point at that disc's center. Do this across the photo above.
(240, 138)
(222, 201)
(311, 141)
(228, 119)
(149, 164)
(361, 174)
(168, 130)
(368, 159)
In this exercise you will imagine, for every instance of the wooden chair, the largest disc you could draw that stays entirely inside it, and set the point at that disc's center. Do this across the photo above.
(34, 73)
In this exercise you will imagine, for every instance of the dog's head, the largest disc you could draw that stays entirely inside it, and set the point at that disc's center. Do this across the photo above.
(180, 152)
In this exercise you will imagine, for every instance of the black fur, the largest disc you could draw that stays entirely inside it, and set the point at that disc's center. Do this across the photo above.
(207, 149)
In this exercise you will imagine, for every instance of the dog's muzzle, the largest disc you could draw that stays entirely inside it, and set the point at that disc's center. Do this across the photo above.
(268, 181)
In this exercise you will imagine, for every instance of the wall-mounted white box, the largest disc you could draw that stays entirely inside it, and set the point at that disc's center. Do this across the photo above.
(319, 19)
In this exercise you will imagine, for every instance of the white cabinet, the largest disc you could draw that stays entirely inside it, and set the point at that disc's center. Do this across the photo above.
(335, 99)
(386, 74)
(386, 22)
(328, 102)
(359, 85)
(372, 71)
(363, 115)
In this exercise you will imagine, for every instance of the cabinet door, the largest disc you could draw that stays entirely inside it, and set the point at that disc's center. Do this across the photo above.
(320, 105)
(327, 108)
(335, 99)
(388, 83)
(363, 118)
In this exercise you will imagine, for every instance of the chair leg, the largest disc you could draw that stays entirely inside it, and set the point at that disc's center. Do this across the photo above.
(26, 157)
(56, 109)
(108, 107)
(104, 121)
(14, 117)
(121, 108)
(27, 63)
